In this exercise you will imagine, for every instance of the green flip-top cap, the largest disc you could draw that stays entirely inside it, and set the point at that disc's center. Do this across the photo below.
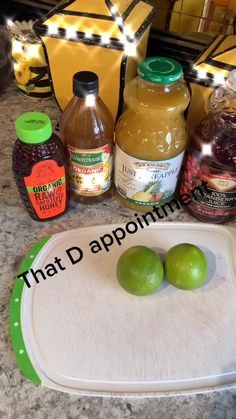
(33, 128)
(160, 70)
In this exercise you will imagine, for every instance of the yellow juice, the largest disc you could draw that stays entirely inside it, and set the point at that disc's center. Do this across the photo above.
(151, 135)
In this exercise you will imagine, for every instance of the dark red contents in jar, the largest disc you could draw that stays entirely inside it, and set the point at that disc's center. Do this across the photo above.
(40, 174)
(212, 158)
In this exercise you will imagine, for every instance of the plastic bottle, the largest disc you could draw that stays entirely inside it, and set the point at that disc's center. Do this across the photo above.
(39, 167)
(212, 158)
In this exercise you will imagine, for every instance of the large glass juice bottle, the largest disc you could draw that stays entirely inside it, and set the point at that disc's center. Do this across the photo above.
(87, 128)
(212, 158)
(151, 135)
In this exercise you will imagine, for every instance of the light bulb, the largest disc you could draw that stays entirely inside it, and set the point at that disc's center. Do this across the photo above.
(130, 49)
(71, 32)
(123, 38)
(52, 29)
(88, 35)
(201, 74)
(219, 78)
(113, 9)
(119, 20)
(128, 32)
(105, 38)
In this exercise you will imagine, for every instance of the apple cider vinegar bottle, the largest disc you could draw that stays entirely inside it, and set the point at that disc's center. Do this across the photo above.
(88, 130)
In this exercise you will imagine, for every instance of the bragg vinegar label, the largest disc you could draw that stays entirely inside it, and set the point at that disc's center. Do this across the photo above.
(90, 170)
(47, 189)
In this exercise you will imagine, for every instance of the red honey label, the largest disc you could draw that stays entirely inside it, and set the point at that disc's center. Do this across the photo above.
(47, 189)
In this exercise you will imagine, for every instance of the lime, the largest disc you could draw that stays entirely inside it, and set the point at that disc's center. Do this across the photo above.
(186, 266)
(140, 270)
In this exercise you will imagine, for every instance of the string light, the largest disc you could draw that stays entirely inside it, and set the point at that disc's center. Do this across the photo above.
(52, 29)
(105, 38)
(219, 78)
(201, 74)
(119, 20)
(127, 37)
(128, 32)
(113, 10)
(123, 38)
(71, 32)
(88, 35)
(131, 48)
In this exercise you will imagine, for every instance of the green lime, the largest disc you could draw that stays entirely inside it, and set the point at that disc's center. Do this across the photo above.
(186, 266)
(140, 270)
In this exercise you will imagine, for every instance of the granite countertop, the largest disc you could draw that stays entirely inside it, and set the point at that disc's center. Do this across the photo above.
(20, 398)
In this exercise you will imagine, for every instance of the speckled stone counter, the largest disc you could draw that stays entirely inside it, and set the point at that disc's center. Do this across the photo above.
(19, 398)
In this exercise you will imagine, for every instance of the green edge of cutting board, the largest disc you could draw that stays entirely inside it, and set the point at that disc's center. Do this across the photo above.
(18, 344)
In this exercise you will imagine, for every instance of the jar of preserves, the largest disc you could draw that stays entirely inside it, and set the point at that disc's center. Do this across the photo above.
(212, 158)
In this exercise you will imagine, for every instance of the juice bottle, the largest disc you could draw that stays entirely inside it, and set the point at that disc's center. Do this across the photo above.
(88, 130)
(212, 158)
(39, 167)
(151, 135)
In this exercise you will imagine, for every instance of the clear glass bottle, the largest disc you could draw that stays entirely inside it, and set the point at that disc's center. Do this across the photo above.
(87, 129)
(212, 158)
(151, 135)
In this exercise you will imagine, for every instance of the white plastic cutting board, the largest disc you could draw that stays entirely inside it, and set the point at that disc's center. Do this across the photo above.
(82, 332)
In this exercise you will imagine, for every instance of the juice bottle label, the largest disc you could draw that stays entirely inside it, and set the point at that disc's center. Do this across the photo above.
(90, 170)
(47, 189)
(221, 199)
(146, 182)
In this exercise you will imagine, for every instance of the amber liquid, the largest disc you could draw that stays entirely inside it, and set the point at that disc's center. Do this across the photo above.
(87, 127)
(153, 125)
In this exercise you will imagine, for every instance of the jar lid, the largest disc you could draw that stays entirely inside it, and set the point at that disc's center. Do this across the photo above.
(160, 70)
(85, 83)
(33, 127)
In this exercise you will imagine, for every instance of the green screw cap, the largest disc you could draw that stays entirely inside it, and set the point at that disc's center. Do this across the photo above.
(160, 70)
(33, 128)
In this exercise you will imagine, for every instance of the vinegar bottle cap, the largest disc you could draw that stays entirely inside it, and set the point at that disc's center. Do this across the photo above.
(85, 83)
